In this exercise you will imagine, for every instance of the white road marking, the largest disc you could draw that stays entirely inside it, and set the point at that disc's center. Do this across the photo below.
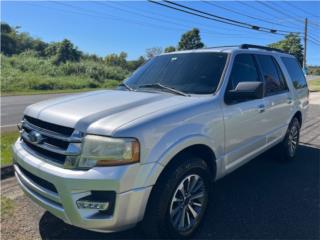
(8, 125)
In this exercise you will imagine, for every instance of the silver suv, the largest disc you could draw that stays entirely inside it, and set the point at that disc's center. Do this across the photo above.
(149, 151)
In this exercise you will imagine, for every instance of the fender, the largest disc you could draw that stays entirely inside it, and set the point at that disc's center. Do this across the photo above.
(171, 151)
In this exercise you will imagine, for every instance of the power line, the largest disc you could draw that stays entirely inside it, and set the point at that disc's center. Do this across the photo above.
(228, 19)
(310, 22)
(313, 38)
(301, 9)
(138, 13)
(195, 14)
(104, 16)
(281, 12)
(241, 14)
(318, 44)
(83, 11)
(91, 13)
(213, 17)
(261, 10)
(268, 5)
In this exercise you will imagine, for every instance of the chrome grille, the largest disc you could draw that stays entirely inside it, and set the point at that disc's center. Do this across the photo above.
(57, 144)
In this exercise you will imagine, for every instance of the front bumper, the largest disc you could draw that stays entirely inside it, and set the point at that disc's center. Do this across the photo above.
(131, 183)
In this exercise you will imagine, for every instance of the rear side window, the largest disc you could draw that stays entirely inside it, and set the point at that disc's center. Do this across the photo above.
(244, 70)
(272, 75)
(295, 72)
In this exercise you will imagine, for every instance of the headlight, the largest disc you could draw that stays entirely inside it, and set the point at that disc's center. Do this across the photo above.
(106, 151)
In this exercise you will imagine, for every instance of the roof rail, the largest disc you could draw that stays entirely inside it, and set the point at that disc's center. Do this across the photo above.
(247, 46)
(228, 46)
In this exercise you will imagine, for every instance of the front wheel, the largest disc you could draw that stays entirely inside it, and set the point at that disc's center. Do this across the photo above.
(177, 205)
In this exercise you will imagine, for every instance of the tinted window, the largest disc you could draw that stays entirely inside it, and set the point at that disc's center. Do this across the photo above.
(295, 72)
(273, 80)
(197, 73)
(243, 70)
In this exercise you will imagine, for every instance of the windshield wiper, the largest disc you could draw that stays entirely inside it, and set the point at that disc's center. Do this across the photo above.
(126, 86)
(159, 85)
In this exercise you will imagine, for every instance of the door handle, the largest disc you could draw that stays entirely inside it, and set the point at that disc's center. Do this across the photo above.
(261, 108)
(289, 100)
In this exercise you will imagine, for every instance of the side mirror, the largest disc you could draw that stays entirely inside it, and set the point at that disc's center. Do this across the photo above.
(246, 90)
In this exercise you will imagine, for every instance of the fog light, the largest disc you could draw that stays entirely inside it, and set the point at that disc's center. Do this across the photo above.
(85, 204)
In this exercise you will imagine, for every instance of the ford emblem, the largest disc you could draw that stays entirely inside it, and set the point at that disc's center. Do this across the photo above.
(35, 137)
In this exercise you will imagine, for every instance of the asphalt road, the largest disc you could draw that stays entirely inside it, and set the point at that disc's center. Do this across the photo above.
(312, 77)
(12, 108)
(265, 199)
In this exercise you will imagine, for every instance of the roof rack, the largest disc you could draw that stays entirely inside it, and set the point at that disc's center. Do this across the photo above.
(228, 46)
(247, 46)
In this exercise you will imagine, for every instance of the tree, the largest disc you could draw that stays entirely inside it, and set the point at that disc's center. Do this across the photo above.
(134, 64)
(152, 52)
(8, 41)
(39, 46)
(190, 40)
(169, 49)
(291, 44)
(66, 51)
(117, 60)
(14, 42)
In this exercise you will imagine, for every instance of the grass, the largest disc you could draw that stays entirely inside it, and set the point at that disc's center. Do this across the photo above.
(314, 85)
(28, 74)
(7, 206)
(7, 139)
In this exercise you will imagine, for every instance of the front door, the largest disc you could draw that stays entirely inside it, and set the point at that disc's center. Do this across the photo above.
(245, 124)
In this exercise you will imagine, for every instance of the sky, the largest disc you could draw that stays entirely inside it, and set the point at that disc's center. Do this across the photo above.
(104, 27)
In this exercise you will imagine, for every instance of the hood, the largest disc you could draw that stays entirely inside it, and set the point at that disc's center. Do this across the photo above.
(115, 107)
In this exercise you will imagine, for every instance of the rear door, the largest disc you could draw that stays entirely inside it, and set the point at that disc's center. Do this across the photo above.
(299, 82)
(245, 126)
(278, 99)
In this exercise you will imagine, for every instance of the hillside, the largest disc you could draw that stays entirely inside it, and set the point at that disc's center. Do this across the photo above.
(31, 65)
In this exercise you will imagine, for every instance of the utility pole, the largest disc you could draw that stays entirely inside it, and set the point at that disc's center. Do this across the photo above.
(305, 44)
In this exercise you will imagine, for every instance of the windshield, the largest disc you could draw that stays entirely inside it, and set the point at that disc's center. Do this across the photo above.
(193, 73)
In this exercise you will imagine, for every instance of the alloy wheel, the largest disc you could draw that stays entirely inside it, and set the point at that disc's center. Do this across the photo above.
(188, 203)
(293, 140)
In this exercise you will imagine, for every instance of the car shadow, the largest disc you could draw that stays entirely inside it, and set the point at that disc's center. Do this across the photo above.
(265, 199)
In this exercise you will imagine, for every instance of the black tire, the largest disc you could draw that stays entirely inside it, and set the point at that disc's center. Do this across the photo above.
(160, 213)
(288, 147)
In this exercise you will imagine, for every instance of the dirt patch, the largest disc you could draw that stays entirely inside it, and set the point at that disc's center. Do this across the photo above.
(20, 219)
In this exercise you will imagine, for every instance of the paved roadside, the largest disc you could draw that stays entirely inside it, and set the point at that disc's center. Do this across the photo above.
(310, 132)
(264, 199)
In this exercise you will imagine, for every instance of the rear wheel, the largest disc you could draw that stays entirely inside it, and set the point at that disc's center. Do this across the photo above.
(291, 141)
(179, 201)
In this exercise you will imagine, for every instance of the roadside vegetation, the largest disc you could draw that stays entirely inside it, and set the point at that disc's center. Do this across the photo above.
(7, 139)
(314, 85)
(32, 65)
(7, 207)
(28, 72)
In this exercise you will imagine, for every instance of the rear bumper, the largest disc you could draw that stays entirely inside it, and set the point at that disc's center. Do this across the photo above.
(131, 183)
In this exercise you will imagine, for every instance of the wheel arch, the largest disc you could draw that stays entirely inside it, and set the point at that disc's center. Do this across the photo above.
(198, 150)
(298, 115)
